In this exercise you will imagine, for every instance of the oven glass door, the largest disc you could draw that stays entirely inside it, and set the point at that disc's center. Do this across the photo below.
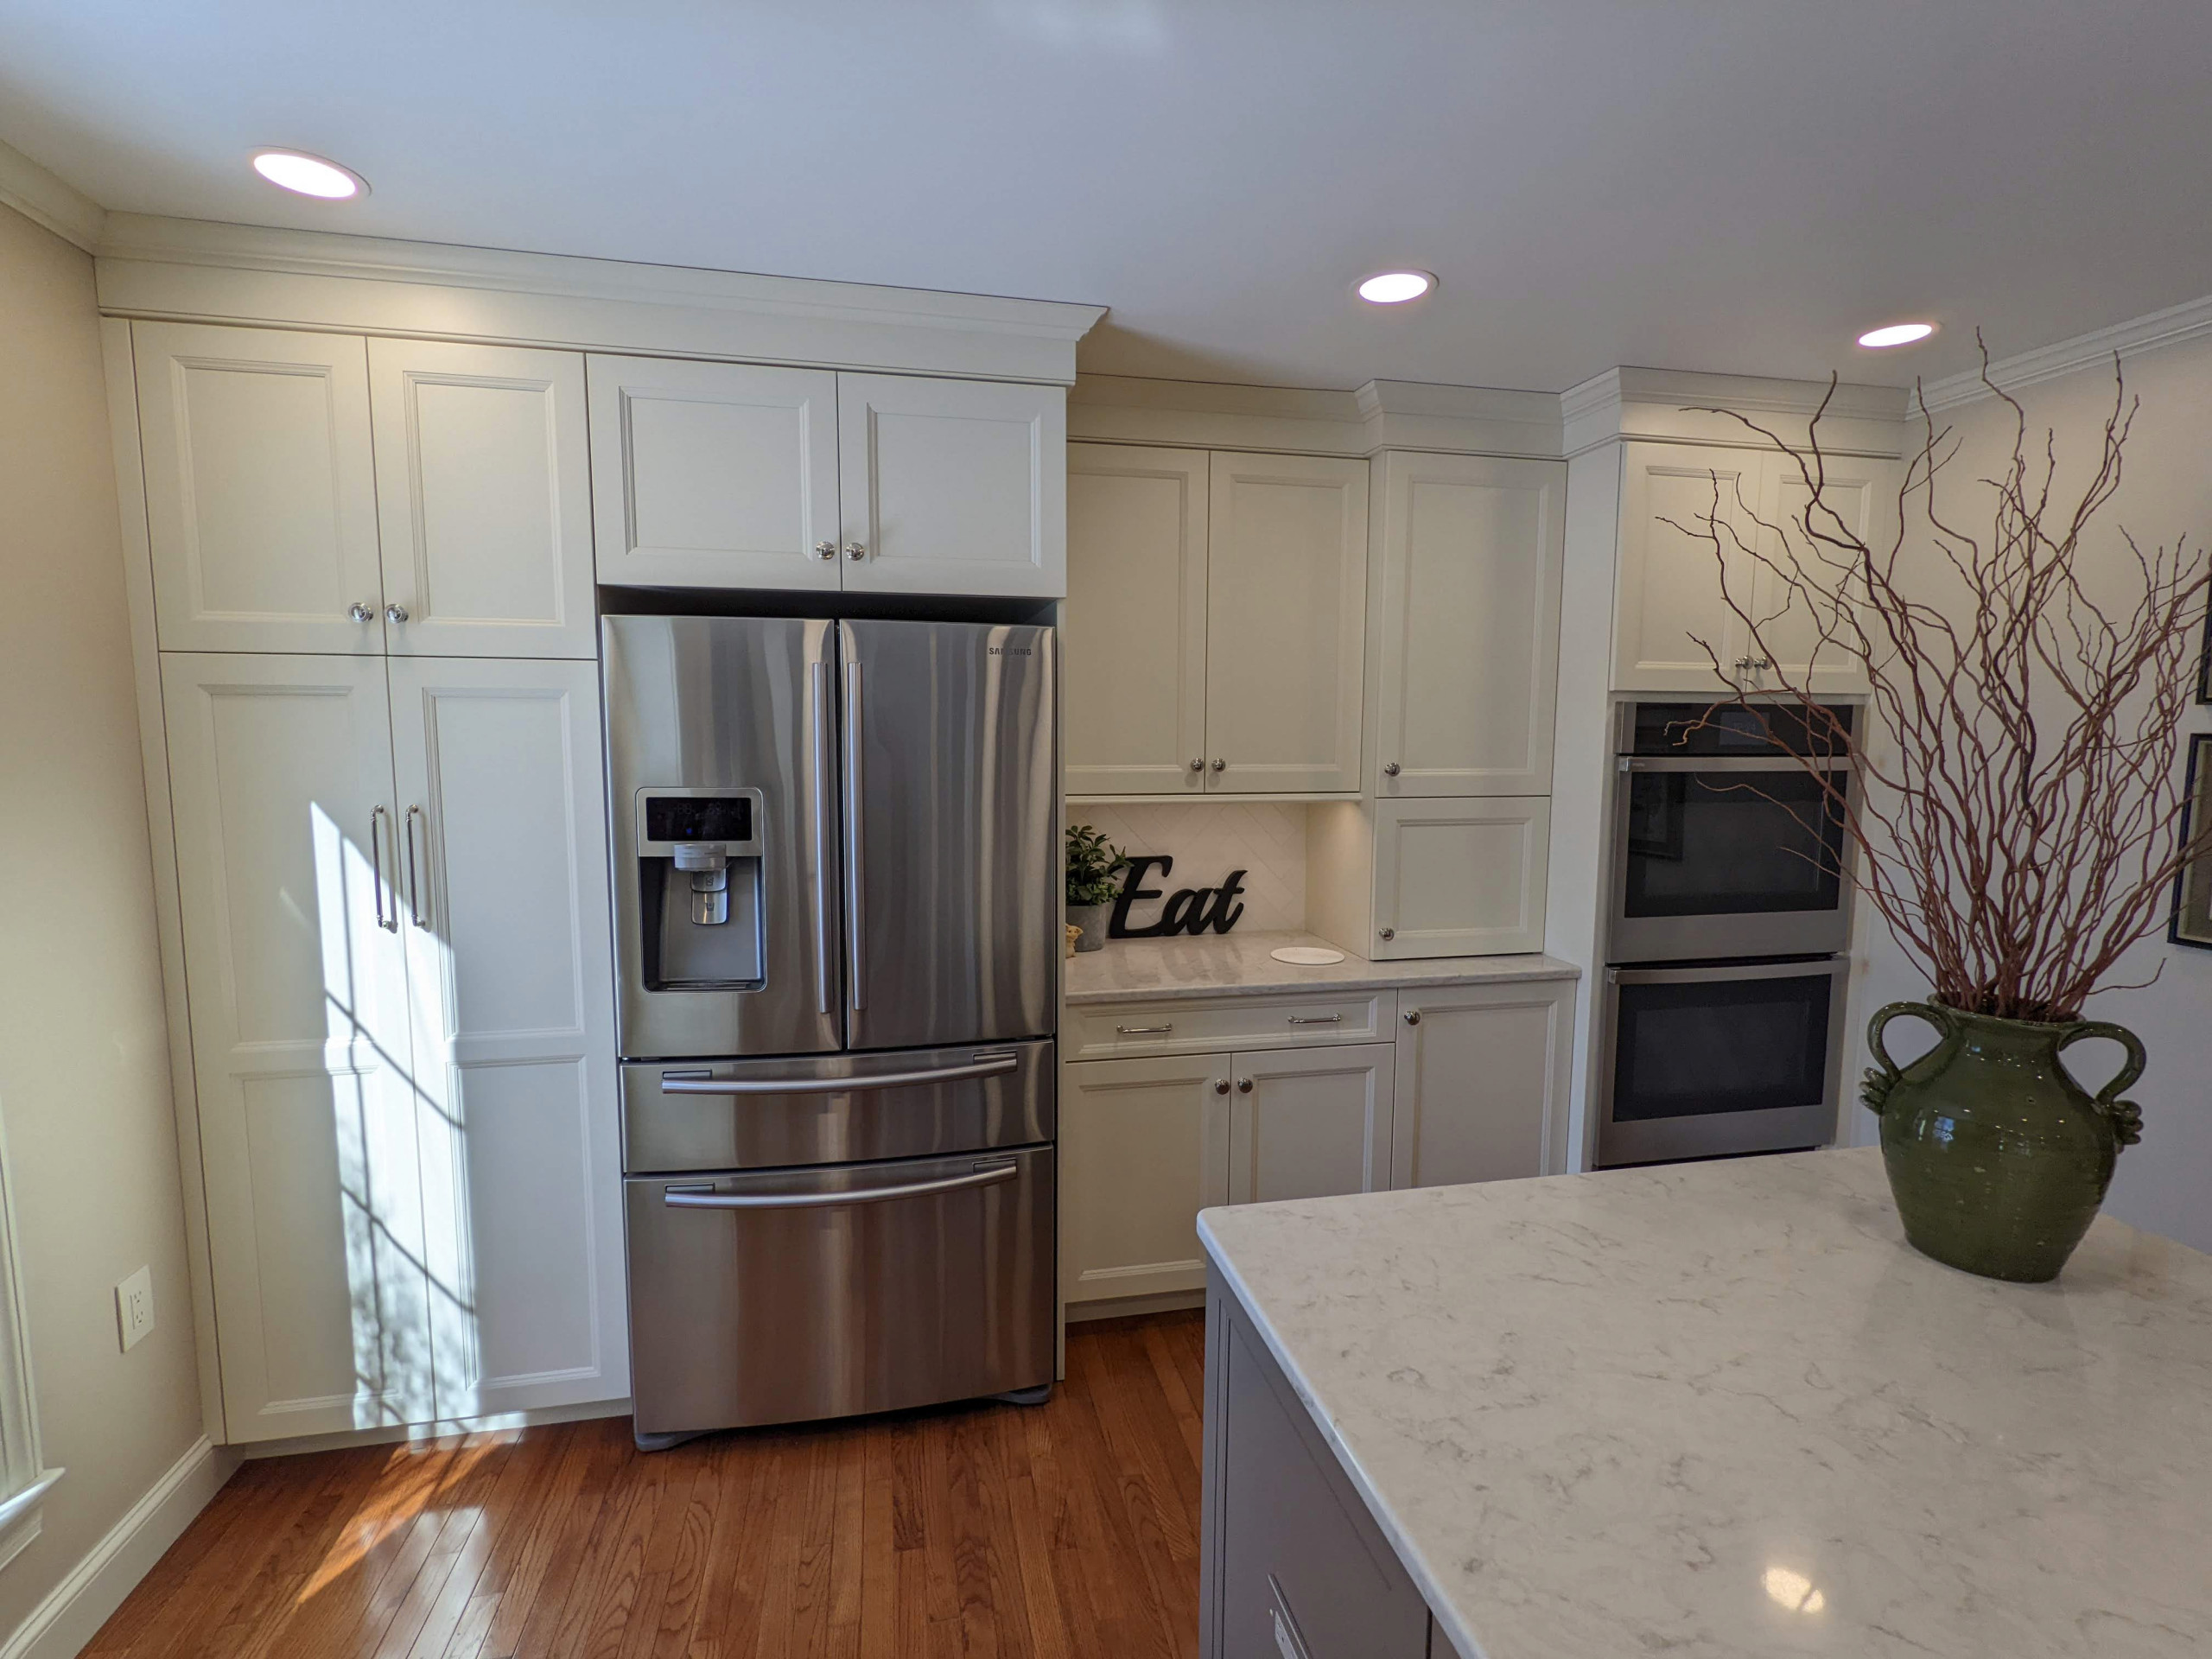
(1725, 859)
(1705, 1061)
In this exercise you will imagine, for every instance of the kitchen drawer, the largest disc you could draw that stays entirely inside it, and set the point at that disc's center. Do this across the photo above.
(1198, 1026)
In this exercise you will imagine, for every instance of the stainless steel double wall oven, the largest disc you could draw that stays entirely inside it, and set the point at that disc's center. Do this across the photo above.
(837, 909)
(1729, 914)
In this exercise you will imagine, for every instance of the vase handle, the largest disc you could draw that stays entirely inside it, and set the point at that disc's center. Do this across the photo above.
(1883, 1076)
(2126, 1117)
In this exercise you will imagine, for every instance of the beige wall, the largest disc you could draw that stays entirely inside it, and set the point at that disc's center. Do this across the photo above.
(2165, 492)
(83, 1071)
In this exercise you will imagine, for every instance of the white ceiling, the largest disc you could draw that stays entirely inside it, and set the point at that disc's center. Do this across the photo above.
(1732, 185)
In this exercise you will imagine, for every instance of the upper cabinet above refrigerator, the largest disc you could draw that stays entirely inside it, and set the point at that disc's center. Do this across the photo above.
(323, 493)
(729, 475)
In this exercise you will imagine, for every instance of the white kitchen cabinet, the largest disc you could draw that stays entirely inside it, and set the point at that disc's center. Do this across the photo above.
(1464, 643)
(1143, 1147)
(260, 489)
(1862, 494)
(1310, 1123)
(1481, 1082)
(1285, 623)
(952, 487)
(310, 1104)
(1134, 646)
(713, 474)
(510, 974)
(484, 499)
(1673, 587)
(1400, 879)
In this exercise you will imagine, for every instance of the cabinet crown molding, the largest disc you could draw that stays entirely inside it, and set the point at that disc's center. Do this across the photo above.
(201, 270)
(50, 202)
(1671, 405)
(1307, 420)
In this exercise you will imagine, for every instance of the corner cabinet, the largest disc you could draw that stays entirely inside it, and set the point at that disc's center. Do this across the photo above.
(1214, 623)
(1674, 616)
(729, 475)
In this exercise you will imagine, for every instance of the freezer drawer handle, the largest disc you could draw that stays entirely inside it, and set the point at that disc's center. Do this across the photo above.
(705, 1083)
(687, 1197)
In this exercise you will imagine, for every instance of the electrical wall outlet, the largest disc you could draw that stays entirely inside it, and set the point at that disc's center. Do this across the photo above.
(133, 1307)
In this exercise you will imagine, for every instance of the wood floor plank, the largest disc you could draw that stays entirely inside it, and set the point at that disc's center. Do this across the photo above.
(983, 1531)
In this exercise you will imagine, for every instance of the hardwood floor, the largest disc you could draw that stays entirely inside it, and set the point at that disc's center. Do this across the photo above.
(1066, 1530)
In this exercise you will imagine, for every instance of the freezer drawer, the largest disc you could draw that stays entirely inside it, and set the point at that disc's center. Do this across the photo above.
(835, 1108)
(865, 1287)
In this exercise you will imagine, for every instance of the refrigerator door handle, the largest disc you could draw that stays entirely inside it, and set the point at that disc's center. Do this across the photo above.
(703, 1082)
(689, 1196)
(825, 940)
(855, 869)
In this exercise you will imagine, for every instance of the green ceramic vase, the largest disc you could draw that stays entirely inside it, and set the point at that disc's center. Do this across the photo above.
(1999, 1160)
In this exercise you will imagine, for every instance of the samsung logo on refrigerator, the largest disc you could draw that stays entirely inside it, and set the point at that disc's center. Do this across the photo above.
(1013, 651)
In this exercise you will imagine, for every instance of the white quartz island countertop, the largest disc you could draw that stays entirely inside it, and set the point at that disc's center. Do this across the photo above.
(1233, 964)
(1722, 1409)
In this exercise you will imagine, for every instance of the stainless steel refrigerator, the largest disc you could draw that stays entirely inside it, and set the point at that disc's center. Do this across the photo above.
(836, 912)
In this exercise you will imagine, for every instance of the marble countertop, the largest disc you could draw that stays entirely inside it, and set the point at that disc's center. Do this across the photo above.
(1723, 1410)
(1231, 964)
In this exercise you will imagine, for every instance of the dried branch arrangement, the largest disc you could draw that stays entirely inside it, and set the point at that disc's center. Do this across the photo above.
(2016, 822)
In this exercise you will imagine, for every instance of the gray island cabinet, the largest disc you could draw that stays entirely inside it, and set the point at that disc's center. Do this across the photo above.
(1718, 1410)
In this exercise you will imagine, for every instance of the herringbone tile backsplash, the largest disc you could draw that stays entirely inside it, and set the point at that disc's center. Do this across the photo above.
(1207, 840)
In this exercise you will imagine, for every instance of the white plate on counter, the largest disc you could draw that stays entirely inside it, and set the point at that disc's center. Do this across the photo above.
(1306, 955)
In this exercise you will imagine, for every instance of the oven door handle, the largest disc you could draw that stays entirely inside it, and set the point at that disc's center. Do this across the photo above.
(1781, 763)
(1819, 967)
(703, 1081)
(682, 1197)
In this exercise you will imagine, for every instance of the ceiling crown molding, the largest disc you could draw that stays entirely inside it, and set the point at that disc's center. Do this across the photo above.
(1305, 420)
(199, 269)
(45, 200)
(1674, 405)
(2171, 327)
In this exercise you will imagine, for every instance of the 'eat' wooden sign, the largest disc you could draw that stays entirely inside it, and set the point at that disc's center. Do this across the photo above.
(1191, 910)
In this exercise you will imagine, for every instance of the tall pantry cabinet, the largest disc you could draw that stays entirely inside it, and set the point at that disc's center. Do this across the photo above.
(372, 568)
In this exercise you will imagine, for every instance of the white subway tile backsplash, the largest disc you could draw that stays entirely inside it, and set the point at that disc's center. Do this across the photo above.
(1207, 840)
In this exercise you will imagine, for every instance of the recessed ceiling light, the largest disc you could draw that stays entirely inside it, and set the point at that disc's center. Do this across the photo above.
(1396, 287)
(1896, 333)
(308, 176)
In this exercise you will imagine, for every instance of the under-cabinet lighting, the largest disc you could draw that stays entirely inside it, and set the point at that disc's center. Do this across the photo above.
(1896, 333)
(1396, 287)
(308, 176)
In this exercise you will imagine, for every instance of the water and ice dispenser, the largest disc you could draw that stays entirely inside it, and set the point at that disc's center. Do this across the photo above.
(699, 873)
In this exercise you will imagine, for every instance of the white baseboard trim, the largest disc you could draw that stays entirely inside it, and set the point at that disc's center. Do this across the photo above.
(1122, 1307)
(75, 1610)
(391, 1434)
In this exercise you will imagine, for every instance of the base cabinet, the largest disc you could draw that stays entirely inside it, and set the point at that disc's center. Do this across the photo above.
(1292, 1564)
(1481, 1082)
(1144, 1147)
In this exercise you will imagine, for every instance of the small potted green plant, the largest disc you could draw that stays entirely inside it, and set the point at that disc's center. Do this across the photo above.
(1093, 862)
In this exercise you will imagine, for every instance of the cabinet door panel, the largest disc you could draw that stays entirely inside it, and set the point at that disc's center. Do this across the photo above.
(1460, 878)
(1863, 496)
(952, 487)
(1670, 579)
(1285, 623)
(301, 1043)
(1135, 659)
(260, 495)
(713, 474)
(510, 964)
(1481, 1083)
(484, 497)
(1314, 1123)
(1144, 1147)
(1469, 567)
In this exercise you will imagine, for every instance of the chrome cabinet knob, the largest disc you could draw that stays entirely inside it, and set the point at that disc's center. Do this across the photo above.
(1389, 768)
(855, 552)
(1221, 1085)
(360, 612)
(1220, 765)
(825, 549)
(1243, 1086)
(395, 612)
(1413, 1016)
(1386, 932)
(1199, 764)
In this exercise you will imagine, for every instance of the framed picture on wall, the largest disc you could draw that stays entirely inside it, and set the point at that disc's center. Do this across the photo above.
(2192, 923)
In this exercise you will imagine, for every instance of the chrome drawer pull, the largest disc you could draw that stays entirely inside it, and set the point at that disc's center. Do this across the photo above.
(1317, 1020)
(1146, 1031)
(691, 1198)
(703, 1081)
